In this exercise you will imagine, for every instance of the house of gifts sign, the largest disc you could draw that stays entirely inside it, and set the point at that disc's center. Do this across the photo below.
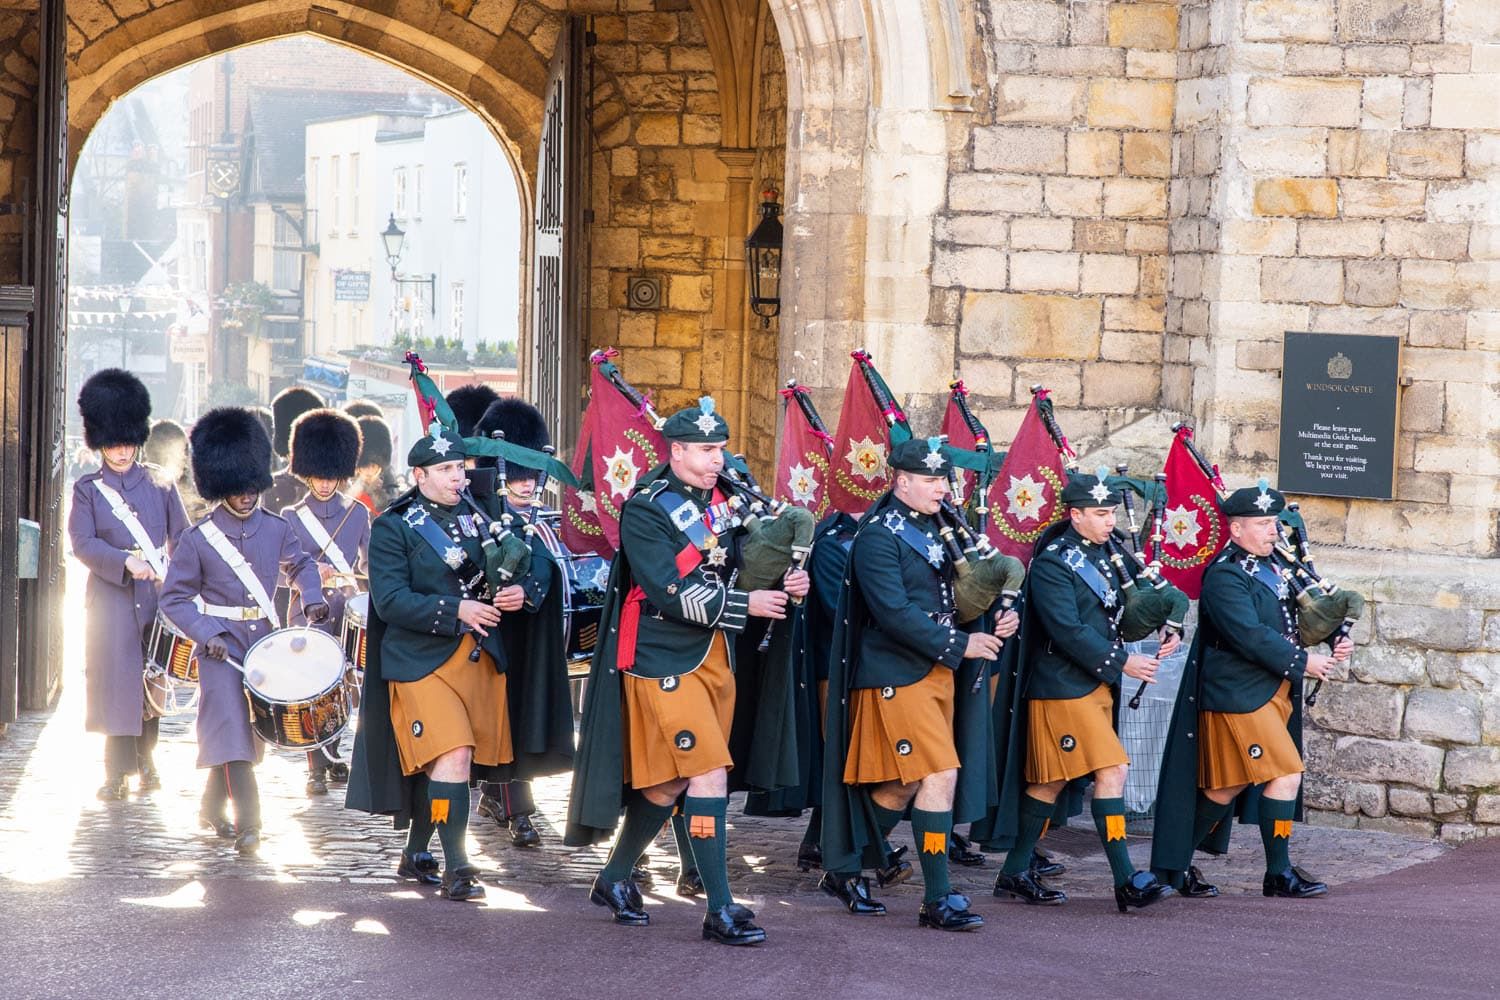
(1340, 407)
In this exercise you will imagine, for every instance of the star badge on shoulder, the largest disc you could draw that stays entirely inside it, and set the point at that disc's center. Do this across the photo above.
(895, 521)
(415, 516)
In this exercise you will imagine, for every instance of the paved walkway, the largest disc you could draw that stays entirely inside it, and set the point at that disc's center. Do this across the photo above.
(84, 879)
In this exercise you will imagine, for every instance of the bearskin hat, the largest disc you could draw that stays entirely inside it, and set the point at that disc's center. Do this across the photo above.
(166, 447)
(375, 447)
(116, 409)
(325, 444)
(522, 424)
(468, 403)
(357, 408)
(263, 414)
(289, 404)
(231, 453)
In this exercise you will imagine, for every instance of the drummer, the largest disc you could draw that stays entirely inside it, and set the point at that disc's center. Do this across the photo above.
(218, 593)
(324, 449)
(122, 523)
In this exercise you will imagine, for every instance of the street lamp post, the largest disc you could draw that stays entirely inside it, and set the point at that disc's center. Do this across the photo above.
(394, 238)
(123, 302)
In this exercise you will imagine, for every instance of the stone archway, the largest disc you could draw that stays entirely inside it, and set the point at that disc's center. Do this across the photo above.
(109, 54)
(871, 91)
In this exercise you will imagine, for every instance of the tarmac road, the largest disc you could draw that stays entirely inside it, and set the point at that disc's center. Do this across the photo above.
(1426, 931)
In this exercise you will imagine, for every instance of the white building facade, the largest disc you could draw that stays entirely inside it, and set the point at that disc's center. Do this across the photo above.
(451, 190)
(445, 181)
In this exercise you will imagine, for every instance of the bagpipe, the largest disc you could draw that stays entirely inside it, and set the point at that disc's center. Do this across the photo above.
(1326, 612)
(1151, 604)
(505, 544)
(778, 535)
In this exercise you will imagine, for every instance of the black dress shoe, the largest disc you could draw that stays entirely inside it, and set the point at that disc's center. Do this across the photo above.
(1193, 886)
(1294, 883)
(317, 784)
(248, 842)
(420, 866)
(1044, 866)
(150, 779)
(1141, 890)
(690, 884)
(490, 806)
(623, 899)
(338, 772)
(641, 875)
(734, 924)
(221, 827)
(895, 871)
(114, 789)
(1027, 887)
(951, 913)
(809, 856)
(461, 883)
(854, 892)
(522, 833)
(960, 854)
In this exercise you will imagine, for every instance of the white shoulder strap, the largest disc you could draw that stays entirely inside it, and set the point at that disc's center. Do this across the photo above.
(126, 516)
(236, 562)
(326, 545)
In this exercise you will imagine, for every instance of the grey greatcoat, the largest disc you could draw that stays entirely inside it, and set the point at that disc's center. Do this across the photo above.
(348, 525)
(119, 608)
(271, 547)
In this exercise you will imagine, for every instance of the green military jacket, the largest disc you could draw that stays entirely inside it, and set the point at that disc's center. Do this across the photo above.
(1072, 645)
(906, 625)
(686, 596)
(416, 593)
(1249, 634)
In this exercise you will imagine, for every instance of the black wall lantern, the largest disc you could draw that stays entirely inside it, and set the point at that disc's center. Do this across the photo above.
(763, 258)
(394, 238)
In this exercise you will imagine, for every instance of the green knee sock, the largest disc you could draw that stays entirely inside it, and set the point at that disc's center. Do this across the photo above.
(419, 834)
(1207, 816)
(888, 819)
(705, 825)
(643, 820)
(1035, 815)
(1276, 832)
(1109, 820)
(931, 831)
(685, 860)
(450, 814)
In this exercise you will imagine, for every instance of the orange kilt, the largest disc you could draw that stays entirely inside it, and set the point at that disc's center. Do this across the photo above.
(460, 704)
(1247, 748)
(678, 727)
(1071, 737)
(901, 733)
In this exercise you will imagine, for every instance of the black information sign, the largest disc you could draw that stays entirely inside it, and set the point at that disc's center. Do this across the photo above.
(1340, 403)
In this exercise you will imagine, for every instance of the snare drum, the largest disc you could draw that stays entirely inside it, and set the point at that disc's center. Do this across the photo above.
(355, 630)
(588, 575)
(171, 652)
(297, 688)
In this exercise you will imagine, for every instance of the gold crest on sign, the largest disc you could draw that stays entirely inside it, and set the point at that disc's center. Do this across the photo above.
(1340, 367)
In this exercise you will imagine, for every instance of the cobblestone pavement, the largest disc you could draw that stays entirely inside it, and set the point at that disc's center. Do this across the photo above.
(52, 827)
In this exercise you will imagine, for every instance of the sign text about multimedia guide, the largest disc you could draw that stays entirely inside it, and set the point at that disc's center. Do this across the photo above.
(1338, 414)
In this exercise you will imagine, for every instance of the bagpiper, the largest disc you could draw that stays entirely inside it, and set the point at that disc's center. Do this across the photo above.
(1235, 742)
